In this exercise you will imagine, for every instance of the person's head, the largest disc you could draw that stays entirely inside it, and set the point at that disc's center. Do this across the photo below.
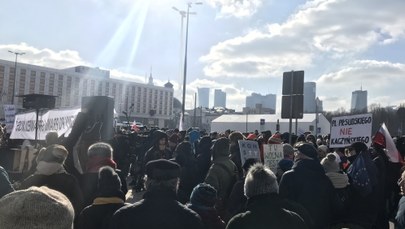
(356, 148)
(183, 152)
(235, 136)
(322, 151)
(160, 139)
(51, 138)
(288, 151)
(260, 180)
(311, 139)
(162, 174)
(203, 195)
(53, 154)
(100, 149)
(305, 150)
(330, 164)
(36, 207)
(248, 164)
(109, 183)
(220, 148)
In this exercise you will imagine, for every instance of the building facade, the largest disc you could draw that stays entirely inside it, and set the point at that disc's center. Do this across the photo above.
(359, 101)
(266, 102)
(145, 102)
(219, 98)
(309, 97)
(203, 97)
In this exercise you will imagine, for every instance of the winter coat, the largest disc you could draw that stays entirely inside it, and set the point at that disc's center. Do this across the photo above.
(62, 182)
(267, 211)
(307, 184)
(237, 199)
(158, 209)
(98, 215)
(5, 185)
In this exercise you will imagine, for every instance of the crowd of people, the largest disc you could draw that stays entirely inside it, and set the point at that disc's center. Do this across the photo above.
(193, 179)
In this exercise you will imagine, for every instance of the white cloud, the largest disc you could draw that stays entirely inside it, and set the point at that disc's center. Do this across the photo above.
(332, 29)
(236, 8)
(383, 81)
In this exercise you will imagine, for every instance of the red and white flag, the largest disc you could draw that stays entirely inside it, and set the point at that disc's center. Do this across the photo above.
(384, 139)
(135, 127)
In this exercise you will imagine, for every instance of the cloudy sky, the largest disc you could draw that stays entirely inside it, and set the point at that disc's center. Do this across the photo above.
(239, 46)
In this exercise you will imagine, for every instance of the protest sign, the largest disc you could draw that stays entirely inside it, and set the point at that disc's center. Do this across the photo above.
(272, 153)
(60, 121)
(346, 130)
(9, 115)
(249, 149)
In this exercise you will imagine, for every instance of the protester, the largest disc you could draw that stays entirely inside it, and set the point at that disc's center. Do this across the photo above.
(5, 184)
(323, 150)
(109, 198)
(184, 156)
(265, 208)
(202, 201)
(159, 207)
(204, 155)
(400, 216)
(287, 162)
(159, 148)
(99, 154)
(36, 208)
(307, 184)
(50, 172)
(234, 137)
(237, 199)
(222, 174)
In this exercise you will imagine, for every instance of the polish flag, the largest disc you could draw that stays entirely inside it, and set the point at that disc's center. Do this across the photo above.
(134, 127)
(384, 139)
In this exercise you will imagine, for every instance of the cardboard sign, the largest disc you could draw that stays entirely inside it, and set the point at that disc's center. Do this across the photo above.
(249, 149)
(60, 121)
(272, 153)
(346, 130)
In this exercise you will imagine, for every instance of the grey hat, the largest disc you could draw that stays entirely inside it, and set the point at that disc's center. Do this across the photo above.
(260, 180)
(330, 164)
(36, 208)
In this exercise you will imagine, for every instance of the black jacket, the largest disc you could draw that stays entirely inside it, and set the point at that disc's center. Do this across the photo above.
(267, 211)
(158, 209)
(307, 184)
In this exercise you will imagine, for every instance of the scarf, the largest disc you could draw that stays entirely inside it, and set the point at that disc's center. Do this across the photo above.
(96, 162)
(339, 180)
(49, 168)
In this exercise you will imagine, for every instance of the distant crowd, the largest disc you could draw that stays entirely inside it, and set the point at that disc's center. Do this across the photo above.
(192, 179)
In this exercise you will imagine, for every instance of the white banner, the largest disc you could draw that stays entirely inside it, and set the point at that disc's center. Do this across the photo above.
(9, 115)
(346, 130)
(273, 153)
(249, 149)
(60, 121)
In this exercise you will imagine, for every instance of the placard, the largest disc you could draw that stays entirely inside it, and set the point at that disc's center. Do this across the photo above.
(273, 153)
(249, 149)
(346, 130)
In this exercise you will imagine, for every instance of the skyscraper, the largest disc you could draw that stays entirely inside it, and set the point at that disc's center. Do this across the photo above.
(359, 101)
(219, 98)
(203, 97)
(266, 101)
(309, 97)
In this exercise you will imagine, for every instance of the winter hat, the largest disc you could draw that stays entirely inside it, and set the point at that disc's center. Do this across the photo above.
(359, 147)
(307, 149)
(162, 169)
(260, 180)
(36, 208)
(53, 153)
(100, 149)
(109, 183)
(275, 139)
(221, 147)
(251, 136)
(203, 195)
(288, 149)
(322, 151)
(329, 163)
(236, 136)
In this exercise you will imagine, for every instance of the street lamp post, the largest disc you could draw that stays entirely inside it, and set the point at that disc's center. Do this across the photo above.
(15, 72)
(185, 60)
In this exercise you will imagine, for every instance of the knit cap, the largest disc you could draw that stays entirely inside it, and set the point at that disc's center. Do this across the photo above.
(287, 149)
(53, 153)
(275, 139)
(109, 183)
(36, 208)
(203, 195)
(260, 180)
(330, 164)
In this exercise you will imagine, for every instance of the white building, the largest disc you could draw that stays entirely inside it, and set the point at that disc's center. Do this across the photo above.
(359, 101)
(266, 101)
(203, 97)
(70, 85)
(250, 123)
(219, 98)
